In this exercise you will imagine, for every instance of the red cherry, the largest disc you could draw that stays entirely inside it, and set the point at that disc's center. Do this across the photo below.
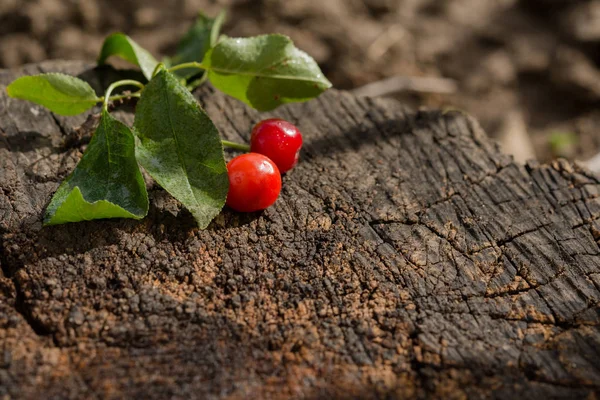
(254, 182)
(279, 140)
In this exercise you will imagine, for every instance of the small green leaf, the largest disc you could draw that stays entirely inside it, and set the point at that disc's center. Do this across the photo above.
(62, 94)
(123, 46)
(264, 71)
(196, 42)
(563, 144)
(106, 183)
(180, 147)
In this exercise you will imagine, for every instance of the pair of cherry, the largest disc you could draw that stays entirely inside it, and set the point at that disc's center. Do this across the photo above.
(255, 177)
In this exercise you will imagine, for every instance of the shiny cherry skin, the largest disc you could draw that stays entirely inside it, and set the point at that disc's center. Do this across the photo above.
(254, 182)
(279, 140)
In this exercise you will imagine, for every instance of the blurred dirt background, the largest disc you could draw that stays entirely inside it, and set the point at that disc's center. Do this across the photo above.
(529, 70)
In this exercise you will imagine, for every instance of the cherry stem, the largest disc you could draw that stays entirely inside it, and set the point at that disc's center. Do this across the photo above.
(197, 83)
(114, 85)
(125, 96)
(194, 64)
(237, 146)
(157, 69)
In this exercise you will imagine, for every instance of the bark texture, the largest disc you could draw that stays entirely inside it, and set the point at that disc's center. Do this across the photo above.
(406, 257)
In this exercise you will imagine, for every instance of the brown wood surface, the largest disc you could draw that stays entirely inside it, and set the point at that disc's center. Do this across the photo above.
(406, 257)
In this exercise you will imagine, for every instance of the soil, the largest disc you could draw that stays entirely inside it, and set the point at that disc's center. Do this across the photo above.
(535, 61)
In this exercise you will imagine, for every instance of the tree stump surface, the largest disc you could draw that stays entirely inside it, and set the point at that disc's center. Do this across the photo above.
(407, 257)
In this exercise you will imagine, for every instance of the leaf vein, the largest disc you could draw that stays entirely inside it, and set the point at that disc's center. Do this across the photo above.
(108, 175)
(181, 161)
(259, 75)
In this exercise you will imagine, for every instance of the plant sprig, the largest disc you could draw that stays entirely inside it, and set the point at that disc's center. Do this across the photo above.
(172, 137)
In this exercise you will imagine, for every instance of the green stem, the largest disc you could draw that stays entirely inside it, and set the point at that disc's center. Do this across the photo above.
(237, 146)
(187, 65)
(197, 83)
(125, 96)
(114, 85)
(158, 67)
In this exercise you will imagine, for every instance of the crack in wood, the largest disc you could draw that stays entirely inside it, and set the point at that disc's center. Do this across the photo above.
(405, 252)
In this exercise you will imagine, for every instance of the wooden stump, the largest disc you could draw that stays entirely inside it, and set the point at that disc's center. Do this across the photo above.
(406, 257)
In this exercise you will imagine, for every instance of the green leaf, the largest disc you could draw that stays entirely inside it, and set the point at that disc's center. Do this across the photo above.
(106, 183)
(264, 71)
(123, 46)
(196, 42)
(180, 147)
(563, 144)
(62, 94)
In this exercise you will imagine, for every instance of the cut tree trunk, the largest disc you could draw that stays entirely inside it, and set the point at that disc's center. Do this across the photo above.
(406, 257)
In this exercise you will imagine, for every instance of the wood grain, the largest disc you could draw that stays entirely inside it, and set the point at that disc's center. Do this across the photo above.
(406, 257)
